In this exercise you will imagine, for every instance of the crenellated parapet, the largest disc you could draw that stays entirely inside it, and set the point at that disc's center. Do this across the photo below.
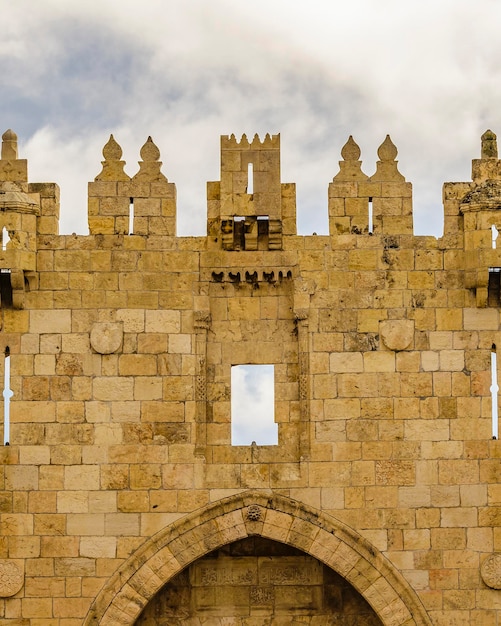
(250, 208)
(142, 205)
(473, 211)
(20, 208)
(380, 204)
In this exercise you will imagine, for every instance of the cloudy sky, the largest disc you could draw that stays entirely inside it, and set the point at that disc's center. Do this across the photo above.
(187, 71)
(252, 405)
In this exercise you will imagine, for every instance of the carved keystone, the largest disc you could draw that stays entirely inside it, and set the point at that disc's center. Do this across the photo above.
(254, 513)
(396, 334)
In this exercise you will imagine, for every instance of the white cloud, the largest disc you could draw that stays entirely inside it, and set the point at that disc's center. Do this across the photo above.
(252, 405)
(187, 71)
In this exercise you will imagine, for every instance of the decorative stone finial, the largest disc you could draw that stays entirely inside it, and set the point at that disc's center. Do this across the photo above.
(149, 151)
(9, 145)
(12, 168)
(386, 167)
(489, 145)
(351, 150)
(350, 168)
(112, 151)
(113, 167)
(149, 167)
(487, 168)
(387, 151)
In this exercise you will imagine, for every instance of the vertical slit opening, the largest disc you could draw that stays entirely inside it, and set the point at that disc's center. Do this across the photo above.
(7, 395)
(239, 232)
(263, 231)
(494, 392)
(250, 178)
(494, 286)
(5, 238)
(370, 217)
(5, 289)
(131, 216)
(495, 233)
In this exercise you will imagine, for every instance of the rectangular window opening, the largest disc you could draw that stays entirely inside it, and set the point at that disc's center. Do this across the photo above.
(131, 217)
(253, 405)
(370, 218)
(494, 389)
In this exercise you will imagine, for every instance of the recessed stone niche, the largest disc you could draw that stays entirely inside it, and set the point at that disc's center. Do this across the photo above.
(254, 582)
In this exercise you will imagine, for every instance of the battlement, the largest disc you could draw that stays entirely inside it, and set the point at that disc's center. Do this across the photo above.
(251, 209)
(270, 142)
(250, 206)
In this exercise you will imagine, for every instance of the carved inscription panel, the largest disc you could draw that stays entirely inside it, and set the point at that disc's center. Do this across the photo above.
(264, 582)
(231, 571)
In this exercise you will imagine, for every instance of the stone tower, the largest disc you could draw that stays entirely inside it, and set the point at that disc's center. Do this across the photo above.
(126, 499)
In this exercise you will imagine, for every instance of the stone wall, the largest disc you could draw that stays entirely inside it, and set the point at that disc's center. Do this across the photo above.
(120, 482)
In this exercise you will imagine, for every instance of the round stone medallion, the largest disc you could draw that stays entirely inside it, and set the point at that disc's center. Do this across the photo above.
(491, 571)
(11, 578)
(397, 334)
(106, 337)
(254, 513)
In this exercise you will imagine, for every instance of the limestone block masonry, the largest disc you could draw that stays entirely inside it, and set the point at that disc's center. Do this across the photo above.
(123, 500)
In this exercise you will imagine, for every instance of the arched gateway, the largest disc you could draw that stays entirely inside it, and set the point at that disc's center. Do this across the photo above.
(274, 518)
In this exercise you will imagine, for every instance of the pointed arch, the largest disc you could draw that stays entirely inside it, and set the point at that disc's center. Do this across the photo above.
(272, 516)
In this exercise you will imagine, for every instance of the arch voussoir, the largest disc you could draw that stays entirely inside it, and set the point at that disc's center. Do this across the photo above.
(381, 594)
(231, 527)
(274, 517)
(128, 604)
(164, 563)
(363, 574)
(277, 525)
(396, 613)
(145, 581)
